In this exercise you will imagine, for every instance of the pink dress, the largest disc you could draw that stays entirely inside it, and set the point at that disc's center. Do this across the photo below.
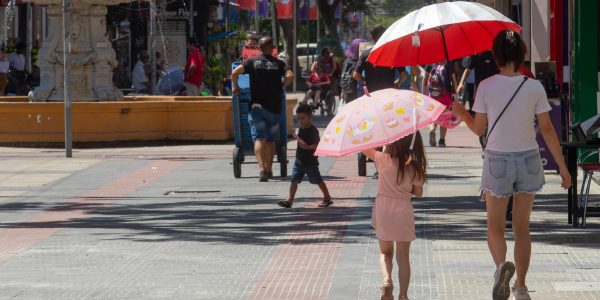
(393, 217)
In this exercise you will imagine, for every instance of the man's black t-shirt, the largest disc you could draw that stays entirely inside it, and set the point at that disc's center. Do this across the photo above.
(310, 136)
(266, 81)
(484, 66)
(377, 78)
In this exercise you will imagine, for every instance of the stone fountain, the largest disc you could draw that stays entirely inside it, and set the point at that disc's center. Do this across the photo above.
(92, 56)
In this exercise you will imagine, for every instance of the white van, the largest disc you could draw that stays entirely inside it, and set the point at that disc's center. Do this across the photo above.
(306, 55)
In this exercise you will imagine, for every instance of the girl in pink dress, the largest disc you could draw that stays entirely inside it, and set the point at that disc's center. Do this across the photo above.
(402, 172)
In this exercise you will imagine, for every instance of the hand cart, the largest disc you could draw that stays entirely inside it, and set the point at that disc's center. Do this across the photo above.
(244, 146)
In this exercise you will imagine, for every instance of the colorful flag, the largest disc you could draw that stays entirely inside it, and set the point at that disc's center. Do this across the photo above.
(303, 10)
(285, 11)
(338, 12)
(313, 10)
(263, 9)
(247, 4)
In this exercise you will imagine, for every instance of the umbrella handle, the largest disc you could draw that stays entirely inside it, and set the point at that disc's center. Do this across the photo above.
(366, 91)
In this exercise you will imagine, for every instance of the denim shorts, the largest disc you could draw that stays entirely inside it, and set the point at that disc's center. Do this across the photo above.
(263, 124)
(508, 173)
(312, 172)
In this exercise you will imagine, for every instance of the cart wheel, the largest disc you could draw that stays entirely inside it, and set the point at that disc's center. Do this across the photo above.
(362, 165)
(282, 158)
(237, 162)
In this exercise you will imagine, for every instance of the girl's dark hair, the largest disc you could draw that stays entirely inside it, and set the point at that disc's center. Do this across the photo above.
(509, 47)
(400, 150)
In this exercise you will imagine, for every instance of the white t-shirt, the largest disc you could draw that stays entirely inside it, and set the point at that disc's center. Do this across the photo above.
(4, 64)
(138, 77)
(17, 61)
(515, 130)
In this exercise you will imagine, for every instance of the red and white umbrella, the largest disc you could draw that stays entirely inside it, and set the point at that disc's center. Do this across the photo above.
(439, 32)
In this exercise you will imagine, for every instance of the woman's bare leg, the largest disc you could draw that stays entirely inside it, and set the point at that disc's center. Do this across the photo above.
(522, 205)
(496, 224)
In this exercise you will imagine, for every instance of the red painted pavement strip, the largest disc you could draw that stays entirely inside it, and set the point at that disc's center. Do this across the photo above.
(304, 267)
(14, 241)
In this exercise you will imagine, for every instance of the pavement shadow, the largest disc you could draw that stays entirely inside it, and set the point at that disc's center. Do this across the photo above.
(257, 220)
(456, 218)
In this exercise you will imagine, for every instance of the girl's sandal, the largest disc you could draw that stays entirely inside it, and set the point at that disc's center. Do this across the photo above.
(387, 291)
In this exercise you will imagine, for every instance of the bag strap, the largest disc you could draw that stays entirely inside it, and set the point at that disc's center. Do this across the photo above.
(501, 113)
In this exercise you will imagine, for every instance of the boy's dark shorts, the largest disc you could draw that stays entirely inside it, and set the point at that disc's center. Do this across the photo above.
(312, 172)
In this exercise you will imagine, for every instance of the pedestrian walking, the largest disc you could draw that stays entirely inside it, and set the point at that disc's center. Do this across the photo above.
(507, 104)
(266, 88)
(194, 68)
(139, 76)
(402, 175)
(17, 67)
(348, 84)
(439, 83)
(4, 66)
(306, 161)
(376, 78)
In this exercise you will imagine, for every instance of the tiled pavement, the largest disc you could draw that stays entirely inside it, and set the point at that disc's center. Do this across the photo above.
(172, 223)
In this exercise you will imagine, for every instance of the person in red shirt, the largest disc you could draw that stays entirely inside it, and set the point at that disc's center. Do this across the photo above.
(194, 68)
(317, 82)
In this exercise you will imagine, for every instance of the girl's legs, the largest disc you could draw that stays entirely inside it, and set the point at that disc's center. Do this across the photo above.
(386, 249)
(496, 223)
(403, 259)
(522, 205)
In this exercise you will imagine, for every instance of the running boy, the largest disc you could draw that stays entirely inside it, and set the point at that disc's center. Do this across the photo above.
(306, 161)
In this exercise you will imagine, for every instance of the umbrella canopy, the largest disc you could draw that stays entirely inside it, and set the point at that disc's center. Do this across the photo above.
(376, 120)
(440, 32)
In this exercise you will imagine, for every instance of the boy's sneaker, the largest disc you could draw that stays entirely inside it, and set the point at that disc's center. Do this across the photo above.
(502, 276)
(263, 176)
(521, 293)
(442, 143)
(432, 138)
(269, 174)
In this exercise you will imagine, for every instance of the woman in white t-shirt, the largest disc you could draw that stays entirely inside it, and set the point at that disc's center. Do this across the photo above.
(512, 164)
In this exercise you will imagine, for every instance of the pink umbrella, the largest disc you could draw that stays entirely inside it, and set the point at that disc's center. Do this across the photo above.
(439, 32)
(376, 120)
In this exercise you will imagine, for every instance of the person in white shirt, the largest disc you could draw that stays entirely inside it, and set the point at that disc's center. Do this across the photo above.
(4, 66)
(139, 77)
(512, 164)
(17, 66)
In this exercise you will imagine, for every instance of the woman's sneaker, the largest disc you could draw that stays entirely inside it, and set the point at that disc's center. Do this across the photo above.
(502, 276)
(521, 293)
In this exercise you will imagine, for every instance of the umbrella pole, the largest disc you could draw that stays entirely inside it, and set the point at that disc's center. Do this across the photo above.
(444, 43)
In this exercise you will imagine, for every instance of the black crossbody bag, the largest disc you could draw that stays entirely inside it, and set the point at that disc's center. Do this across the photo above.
(501, 113)
(481, 195)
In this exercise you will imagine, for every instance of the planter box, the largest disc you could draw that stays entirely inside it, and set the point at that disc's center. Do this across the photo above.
(135, 119)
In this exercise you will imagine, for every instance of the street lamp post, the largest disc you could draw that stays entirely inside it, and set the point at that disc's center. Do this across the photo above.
(151, 45)
(294, 61)
(66, 77)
